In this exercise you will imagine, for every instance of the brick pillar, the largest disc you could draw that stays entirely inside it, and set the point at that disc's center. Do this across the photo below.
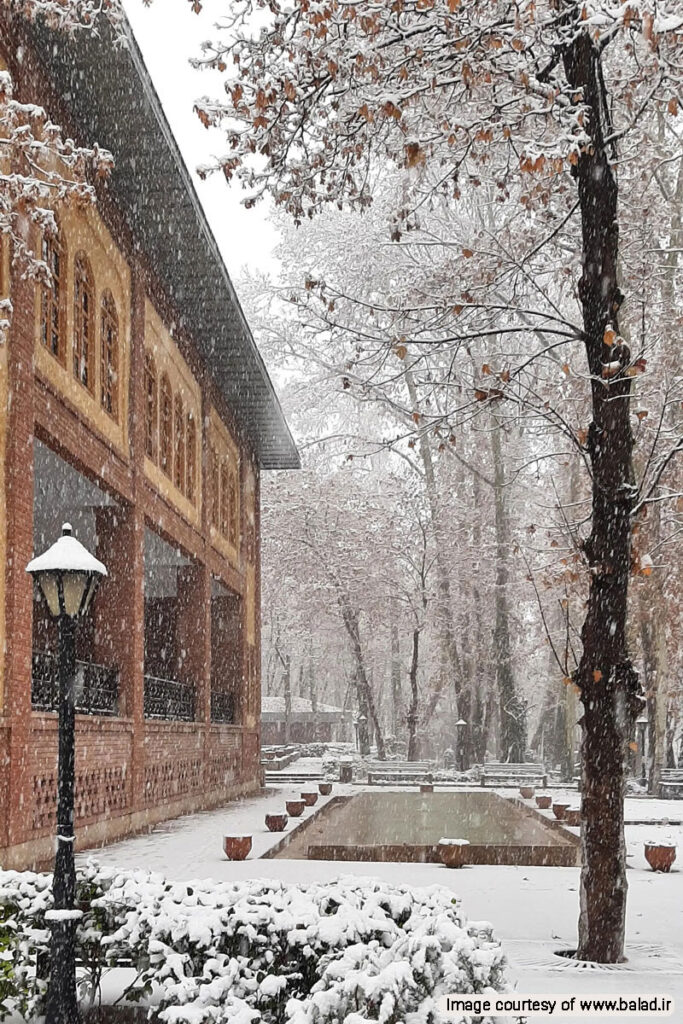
(19, 586)
(119, 603)
(194, 634)
(134, 530)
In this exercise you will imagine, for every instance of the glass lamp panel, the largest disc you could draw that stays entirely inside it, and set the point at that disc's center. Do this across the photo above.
(48, 585)
(74, 585)
(90, 592)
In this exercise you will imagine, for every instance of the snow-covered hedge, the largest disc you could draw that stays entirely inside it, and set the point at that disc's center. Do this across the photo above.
(355, 951)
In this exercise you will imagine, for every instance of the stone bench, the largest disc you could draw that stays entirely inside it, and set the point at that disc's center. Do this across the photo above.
(398, 777)
(671, 783)
(513, 774)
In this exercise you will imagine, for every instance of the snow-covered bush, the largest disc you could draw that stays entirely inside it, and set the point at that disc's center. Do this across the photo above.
(354, 950)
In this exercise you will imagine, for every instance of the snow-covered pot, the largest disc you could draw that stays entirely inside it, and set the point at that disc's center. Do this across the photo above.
(453, 852)
(295, 808)
(310, 798)
(325, 788)
(572, 816)
(559, 810)
(660, 856)
(527, 792)
(276, 822)
(237, 847)
(426, 787)
(544, 802)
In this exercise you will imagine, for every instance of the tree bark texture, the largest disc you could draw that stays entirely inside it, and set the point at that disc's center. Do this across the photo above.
(512, 708)
(413, 746)
(608, 683)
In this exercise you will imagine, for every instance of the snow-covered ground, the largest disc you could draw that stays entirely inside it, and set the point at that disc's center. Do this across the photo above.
(533, 909)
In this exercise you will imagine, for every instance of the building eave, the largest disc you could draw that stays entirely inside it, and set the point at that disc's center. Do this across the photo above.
(108, 88)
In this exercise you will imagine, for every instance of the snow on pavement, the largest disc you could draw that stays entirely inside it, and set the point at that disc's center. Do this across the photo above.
(533, 909)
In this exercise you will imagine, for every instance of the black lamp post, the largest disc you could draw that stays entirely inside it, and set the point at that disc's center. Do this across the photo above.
(68, 576)
(460, 726)
(642, 728)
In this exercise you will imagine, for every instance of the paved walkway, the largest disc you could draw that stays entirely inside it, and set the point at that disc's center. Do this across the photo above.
(533, 909)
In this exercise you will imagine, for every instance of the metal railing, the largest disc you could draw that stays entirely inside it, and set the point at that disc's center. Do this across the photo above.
(222, 707)
(96, 690)
(169, 699)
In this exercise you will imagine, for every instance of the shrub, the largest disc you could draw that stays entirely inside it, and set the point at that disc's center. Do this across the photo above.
(355, 950)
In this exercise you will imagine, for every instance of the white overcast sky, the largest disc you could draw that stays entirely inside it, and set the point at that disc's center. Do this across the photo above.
(169, 33)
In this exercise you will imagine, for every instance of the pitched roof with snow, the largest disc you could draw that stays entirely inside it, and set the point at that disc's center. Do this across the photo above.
(109, 90)
(274, 707)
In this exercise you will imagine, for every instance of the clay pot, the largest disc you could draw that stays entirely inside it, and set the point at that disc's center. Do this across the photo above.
(544, 802)
(527, 792)
(560, 810)
(295, 808)
(236, 847)
(310, 798)
(276, 822)
(325, 788)
(572, 816)
(426, 787)
(453, 855)
(660, 858)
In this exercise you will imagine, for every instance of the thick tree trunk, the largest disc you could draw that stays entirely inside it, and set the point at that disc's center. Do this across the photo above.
(512, 708)
(609, 686)
(288, 697)
(366, 702)
(395, 675)
(413, 751)
(444, 607)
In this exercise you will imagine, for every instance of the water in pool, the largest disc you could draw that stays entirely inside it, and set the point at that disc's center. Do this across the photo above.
(420, 819)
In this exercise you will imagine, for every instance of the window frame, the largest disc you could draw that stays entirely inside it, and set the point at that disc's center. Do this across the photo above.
(191, 457)
(52, 308)
(179, 443)
(84, 327)
(110, 355)
(151, 407)
(166, 412)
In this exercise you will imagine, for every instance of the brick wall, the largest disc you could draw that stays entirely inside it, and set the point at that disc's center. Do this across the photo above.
(130, 773)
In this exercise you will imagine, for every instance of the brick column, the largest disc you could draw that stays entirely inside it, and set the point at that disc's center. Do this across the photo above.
(119, 602)
(19, 586)
(134, 535)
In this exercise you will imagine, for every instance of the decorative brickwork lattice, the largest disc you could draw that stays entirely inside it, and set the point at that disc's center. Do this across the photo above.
(169, 779)
(101, 791)
(250, 759)
(98, 792)
(223, 769)
(44, 801)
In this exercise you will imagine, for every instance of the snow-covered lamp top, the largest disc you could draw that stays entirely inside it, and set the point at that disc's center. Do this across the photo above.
(461, 722)
(68, 574)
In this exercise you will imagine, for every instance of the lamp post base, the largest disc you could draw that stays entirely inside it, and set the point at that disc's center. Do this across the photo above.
(61, 1005)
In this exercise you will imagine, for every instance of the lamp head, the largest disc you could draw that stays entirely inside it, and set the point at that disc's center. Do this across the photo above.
(67, 575)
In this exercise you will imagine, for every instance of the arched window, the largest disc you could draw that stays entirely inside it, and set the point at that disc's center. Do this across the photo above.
(191, 442)
(150, 407)
(84, 327)
(109, 356)
(179, 454)
(166, 427)
(225, 498)
(51, 303)
(215, 481)
(233, 524)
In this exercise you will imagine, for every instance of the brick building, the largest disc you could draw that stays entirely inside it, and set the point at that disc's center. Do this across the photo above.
(134, 404)
(303, 722)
